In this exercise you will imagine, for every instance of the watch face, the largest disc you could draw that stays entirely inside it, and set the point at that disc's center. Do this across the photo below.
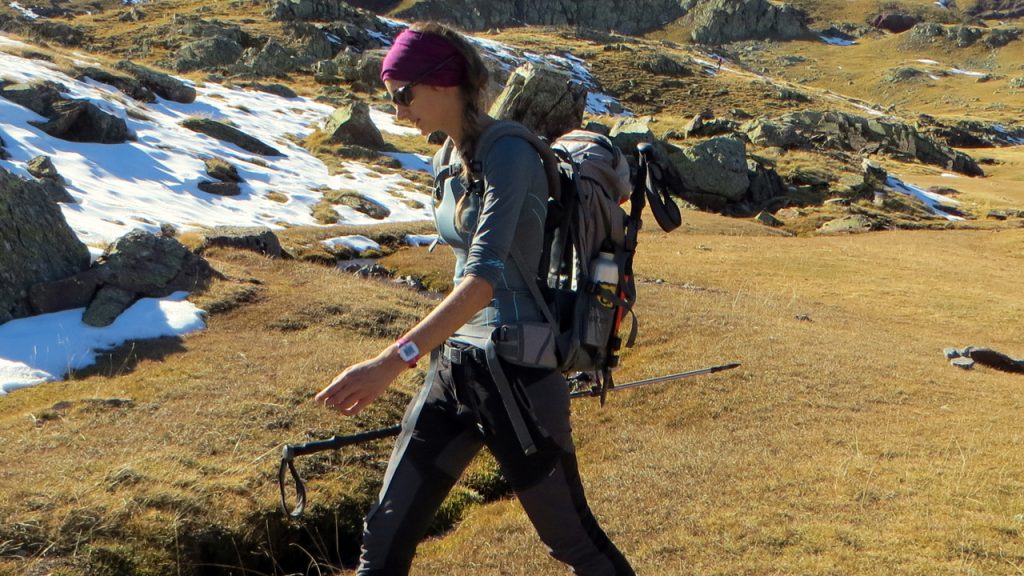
(408, 351)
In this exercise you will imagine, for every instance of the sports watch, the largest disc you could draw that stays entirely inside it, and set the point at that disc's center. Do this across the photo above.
(408, 352)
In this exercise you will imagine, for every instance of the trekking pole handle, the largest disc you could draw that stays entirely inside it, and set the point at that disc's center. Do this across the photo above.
(290, 451)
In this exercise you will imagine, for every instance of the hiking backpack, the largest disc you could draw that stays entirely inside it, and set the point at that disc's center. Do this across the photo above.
(585, 285)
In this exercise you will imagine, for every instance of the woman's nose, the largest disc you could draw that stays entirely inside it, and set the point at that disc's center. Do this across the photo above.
(401, 112)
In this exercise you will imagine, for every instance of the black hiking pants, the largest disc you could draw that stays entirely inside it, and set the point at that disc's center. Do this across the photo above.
(457, 412)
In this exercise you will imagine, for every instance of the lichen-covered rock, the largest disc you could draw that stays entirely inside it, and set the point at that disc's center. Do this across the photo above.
(351, 124)
(107, 305)
(163, 85)
(207, 54)
(999, 37)
(151, 265)
(543, 99)
(997, 9)
(722, 21)
(222, 131)
(717, 166)
(36, 244)
(272, 59)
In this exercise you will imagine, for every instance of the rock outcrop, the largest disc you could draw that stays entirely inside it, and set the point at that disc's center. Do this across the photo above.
(543, 99)
(894, 22)
(36, 244)
(163, 85)
(842, 131)
(68, 119)
(222, 131)
(997, 9)
(723, 21)
(626, 16)
(137, 265)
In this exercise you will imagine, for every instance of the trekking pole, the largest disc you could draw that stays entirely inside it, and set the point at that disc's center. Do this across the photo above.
(291, 451)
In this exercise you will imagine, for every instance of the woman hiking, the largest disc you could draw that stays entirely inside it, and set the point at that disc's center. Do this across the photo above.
(436, 80)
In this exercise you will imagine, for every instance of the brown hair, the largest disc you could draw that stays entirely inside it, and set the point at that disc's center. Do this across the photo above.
(473, 87)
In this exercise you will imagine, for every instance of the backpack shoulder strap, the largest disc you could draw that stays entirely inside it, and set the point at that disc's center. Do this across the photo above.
(502, 128)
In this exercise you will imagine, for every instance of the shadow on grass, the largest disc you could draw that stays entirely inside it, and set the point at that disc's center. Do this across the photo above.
(126, 357)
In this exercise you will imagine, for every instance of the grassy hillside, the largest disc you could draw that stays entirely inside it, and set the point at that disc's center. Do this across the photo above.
(845, 444)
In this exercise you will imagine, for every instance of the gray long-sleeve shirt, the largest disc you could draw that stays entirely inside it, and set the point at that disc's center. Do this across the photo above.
(510, 211)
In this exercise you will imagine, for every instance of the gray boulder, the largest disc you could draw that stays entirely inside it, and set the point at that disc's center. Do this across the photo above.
(723, 21)
(706, 125)
(272, 59)
(83, 121)
(842, 131)
(39, 97)
(220, 188)
(543, 99)
(132, 87)
(36, 244)
(630, 131)
(964, 36)
(999, 37)
(351, 124)
(663, 65)
(163, 85)
(1016, 83)
(257, 239)
(106, 305)
(222, 170)
(207, 54)
(361, 67)
(51, 181)
(230, 134)
(717, 166)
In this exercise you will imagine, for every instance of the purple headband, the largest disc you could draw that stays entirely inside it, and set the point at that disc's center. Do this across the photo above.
(417, 53)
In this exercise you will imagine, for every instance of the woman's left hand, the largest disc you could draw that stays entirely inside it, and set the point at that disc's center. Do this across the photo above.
(359, 385)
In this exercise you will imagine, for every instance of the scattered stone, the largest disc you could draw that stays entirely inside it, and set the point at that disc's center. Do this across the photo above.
(846, 225)
(768, 219)
(222, 131)
(257, 239)
(964, 363)
(222, 170)
(83, 121)
(1017, 83)
(663, 65)
(951, 353)
(351, 124)
(272, 59)
(220, 188)
(894, 22)
(903, 74)
(997, 214)
(42, 167)
(275, 89)
(804, 317)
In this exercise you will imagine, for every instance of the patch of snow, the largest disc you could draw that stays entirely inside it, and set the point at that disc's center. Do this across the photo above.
(355, 242)
(836, 41)
(412, 161)
(46, 347)
(420, 239)
(26, 12)
(867, 109)
(933, 201)
(966, 72)
(926, 61)
(949, 175)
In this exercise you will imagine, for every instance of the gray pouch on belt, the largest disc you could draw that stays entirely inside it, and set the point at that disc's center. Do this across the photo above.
(530, 344)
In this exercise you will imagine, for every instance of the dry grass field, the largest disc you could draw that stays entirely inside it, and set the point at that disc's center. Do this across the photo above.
(844, 444)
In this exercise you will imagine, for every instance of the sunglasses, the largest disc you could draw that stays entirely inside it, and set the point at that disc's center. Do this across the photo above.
(402, 95)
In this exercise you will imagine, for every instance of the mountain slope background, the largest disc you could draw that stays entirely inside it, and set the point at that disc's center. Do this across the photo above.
(844, 444)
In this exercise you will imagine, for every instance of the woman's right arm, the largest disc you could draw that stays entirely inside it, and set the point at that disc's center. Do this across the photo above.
(359, 385)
